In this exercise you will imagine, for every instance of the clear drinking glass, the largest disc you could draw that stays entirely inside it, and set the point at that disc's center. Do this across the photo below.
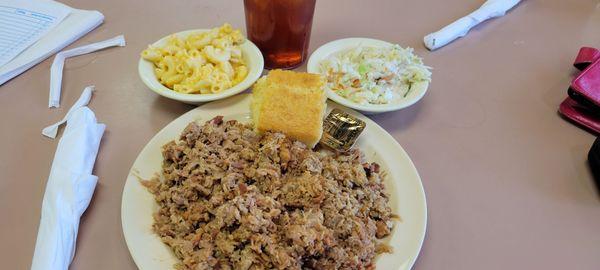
(280, 29)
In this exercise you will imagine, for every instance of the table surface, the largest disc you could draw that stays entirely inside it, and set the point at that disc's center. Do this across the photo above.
(506, 178)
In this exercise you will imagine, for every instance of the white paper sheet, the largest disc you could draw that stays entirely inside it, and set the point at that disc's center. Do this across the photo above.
(22, 23)
(78, 23)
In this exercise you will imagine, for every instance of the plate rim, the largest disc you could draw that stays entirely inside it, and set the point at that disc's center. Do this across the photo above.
(240, 98)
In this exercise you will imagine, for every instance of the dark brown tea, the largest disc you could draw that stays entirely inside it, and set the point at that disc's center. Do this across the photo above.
(280, 29)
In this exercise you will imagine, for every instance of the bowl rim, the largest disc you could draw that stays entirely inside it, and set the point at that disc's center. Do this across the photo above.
(339, 45)
(254, 72)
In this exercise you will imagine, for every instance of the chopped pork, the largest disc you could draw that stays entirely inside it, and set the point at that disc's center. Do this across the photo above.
(232, 199)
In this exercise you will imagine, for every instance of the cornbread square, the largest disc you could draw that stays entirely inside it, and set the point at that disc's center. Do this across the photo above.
(290, 102)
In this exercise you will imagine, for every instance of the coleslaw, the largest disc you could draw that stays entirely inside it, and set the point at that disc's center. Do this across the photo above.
(374, 75)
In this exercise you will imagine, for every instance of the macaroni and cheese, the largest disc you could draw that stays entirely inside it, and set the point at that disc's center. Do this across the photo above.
(201, 63)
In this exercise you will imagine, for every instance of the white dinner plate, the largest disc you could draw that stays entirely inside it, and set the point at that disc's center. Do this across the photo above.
(407, 198)
(250, 54)
(417, 92)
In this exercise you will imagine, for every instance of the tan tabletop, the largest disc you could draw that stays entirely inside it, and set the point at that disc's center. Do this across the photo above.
(507, 182)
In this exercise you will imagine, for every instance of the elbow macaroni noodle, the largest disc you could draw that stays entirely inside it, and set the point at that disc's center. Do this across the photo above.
(201, 63)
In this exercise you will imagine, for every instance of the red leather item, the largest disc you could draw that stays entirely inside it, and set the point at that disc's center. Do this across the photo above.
(583, 104)
(585, 57)
(585, 89)
(579, 114)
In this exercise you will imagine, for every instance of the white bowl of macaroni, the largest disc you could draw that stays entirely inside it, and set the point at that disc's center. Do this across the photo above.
(370, 75)
(201, 65)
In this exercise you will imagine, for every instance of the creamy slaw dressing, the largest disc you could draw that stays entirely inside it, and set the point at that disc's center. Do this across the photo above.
(374, 75)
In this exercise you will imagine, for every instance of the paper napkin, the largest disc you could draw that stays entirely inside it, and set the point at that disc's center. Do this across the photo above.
(51, 130)
(69, 190)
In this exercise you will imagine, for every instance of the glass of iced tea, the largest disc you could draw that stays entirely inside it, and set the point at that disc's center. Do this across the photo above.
(280, 29)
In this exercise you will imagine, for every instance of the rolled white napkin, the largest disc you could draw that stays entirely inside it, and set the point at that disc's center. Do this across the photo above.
(459, 28)
(69, 190)
(56, 71)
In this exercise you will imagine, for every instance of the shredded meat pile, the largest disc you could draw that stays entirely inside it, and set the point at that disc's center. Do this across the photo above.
(232, 199)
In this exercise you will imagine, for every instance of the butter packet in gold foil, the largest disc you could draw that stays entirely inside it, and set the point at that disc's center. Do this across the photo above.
(341, 130)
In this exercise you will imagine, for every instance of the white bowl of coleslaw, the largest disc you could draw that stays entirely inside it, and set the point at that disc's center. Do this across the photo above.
(370, 75)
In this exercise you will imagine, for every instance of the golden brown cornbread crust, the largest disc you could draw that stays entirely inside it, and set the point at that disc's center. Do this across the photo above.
(301, 80)
(290, 102)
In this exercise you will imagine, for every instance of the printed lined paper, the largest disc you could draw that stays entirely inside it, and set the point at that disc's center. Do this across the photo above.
(22, 23)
